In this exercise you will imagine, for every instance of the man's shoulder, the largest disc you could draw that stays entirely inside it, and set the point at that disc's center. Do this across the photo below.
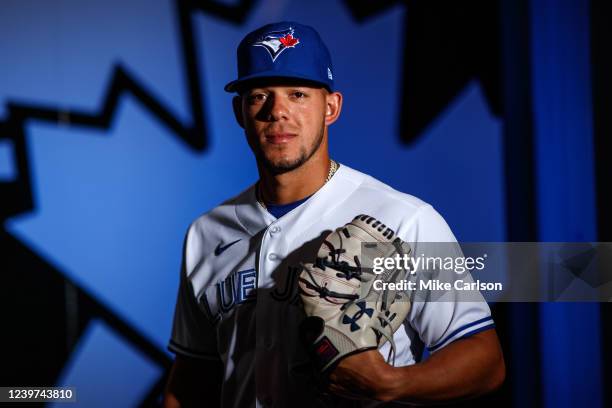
(413, 218)
(370, 187)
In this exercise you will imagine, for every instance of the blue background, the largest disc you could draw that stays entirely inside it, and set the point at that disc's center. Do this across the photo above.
(110, 204)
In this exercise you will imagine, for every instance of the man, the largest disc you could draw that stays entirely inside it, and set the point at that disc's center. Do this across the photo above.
(235, 331)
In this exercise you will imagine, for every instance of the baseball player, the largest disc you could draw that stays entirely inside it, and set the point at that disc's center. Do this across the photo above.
(236, 332)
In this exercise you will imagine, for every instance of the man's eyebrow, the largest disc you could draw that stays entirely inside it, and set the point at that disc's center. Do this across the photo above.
(247, 92)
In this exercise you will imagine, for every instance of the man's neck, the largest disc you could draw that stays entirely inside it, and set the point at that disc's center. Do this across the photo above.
(296, 184)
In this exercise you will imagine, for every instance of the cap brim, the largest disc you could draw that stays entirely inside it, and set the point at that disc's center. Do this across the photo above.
(239, 83)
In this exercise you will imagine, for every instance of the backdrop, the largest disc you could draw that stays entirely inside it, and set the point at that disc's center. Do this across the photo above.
(115, 133)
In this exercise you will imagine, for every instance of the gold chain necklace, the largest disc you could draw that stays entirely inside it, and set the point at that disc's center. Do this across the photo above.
(333, 166)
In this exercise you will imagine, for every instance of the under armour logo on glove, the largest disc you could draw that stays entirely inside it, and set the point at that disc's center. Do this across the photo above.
(352, 320)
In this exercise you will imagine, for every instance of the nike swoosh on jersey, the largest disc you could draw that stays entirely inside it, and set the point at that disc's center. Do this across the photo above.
(220, 249)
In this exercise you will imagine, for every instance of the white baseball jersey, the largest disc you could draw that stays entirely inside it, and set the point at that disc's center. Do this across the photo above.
(238, 298)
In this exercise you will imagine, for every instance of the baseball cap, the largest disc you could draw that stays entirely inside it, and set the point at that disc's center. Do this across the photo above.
(283, 50)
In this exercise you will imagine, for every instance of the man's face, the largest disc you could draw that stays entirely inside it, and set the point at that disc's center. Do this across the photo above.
(285, 124)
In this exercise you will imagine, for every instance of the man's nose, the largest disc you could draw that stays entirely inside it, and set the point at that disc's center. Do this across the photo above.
(279, 109)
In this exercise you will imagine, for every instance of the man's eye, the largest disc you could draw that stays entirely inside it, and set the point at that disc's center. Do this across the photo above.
(299, 94)
(257, 98)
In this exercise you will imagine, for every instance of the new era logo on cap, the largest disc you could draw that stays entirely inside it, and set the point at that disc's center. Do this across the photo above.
(276, 42)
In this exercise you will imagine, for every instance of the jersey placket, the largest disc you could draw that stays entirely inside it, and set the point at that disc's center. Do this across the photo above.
(272, 251)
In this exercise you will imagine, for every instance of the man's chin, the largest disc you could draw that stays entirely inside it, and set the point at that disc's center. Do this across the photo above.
(280, 166)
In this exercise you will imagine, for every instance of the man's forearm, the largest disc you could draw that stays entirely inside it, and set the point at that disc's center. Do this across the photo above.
(464, 369)
(193, 383)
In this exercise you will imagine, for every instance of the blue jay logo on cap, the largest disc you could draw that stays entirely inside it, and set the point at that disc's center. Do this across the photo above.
(275, 42)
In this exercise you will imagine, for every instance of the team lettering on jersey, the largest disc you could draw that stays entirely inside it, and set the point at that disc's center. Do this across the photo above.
(236, 289)
(241, 287)
(288, 292)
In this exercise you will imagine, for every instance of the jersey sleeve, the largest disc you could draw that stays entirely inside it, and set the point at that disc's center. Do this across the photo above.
(440, 322)
(193, 333)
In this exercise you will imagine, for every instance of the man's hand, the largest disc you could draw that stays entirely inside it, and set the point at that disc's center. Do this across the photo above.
(364, 374)
(464, 369)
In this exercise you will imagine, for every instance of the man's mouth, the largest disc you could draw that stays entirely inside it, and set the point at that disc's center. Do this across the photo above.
(279, 138)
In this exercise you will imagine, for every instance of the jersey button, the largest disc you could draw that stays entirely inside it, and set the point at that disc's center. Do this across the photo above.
(275, 229)
(272, 256)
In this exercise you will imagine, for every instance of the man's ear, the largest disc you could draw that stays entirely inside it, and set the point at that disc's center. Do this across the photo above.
(237, 105)
(333, 106)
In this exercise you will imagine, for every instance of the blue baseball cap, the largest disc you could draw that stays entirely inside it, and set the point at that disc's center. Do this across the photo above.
(283, 50)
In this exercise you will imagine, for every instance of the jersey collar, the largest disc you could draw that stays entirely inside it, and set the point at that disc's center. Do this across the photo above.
(254, 217)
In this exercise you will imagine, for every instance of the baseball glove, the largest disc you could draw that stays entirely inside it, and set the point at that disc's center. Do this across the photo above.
(345, 314)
